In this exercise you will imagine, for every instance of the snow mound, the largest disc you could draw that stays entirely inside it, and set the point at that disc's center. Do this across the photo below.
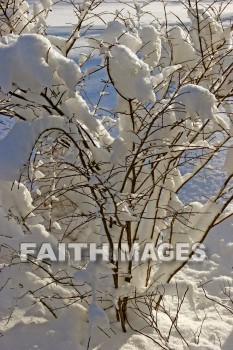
(16, 147)
(194, 102)
(29, 61)
(130, 75)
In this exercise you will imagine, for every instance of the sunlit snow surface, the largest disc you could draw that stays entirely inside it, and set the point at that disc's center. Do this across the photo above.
(67, 333)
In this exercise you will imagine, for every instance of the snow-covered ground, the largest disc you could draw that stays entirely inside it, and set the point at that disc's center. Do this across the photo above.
(208, 327)
(63, 13)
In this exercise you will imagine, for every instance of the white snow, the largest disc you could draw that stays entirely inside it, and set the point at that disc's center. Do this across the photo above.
(23, 59)
(151, 48)
(130, 75)
(195, 102)
(34, 62)
(117, 32)
(14, 153)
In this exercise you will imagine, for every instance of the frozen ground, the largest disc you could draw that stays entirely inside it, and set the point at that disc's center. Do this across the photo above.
(209, 327)
(64, 14)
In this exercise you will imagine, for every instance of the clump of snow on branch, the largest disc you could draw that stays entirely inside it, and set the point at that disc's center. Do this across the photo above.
(195, 102)
(131, 76)
(30, 61)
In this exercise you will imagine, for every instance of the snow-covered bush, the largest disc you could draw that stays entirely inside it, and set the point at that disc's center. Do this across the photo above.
(114, 168)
